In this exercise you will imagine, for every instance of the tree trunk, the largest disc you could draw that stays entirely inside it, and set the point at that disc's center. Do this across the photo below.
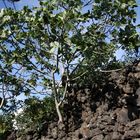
(58, 111)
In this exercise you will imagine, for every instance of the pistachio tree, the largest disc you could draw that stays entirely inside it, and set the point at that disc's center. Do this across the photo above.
(44, 48)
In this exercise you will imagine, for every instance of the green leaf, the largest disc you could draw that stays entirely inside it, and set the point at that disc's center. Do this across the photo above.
(55, 45)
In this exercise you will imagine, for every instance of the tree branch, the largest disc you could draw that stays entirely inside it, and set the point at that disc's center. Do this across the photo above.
(108, 71)
(79, 76)
(64, 94)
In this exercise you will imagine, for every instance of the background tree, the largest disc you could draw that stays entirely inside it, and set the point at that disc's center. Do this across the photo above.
(42, 46)
(34, 113)
(6, 124)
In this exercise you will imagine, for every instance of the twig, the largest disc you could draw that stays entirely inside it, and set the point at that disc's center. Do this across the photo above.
(4, 4)
(79, 76)
(2, 102)
(108, 71)
(3, 94)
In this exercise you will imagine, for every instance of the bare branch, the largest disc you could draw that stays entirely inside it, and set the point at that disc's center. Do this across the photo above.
(77, 66)
(108, 71)
(4, 4)
(79, 76)
(64, 93)
(89, 2)
(2, 102)
(3, 94)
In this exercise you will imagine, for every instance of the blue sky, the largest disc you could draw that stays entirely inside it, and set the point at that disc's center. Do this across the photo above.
(20, 4)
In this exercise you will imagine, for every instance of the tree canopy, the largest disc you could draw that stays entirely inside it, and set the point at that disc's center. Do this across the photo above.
(44, 48)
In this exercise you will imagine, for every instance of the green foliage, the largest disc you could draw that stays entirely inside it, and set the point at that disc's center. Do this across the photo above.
(6, 123)
(76, 38)
(35, 112)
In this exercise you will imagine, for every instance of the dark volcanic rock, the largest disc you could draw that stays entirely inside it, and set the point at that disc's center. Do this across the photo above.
(122, 116)
(138, 97)
(109, 111)
(116, 136)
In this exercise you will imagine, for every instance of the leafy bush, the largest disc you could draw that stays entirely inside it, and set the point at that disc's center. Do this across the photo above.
(35, 112)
